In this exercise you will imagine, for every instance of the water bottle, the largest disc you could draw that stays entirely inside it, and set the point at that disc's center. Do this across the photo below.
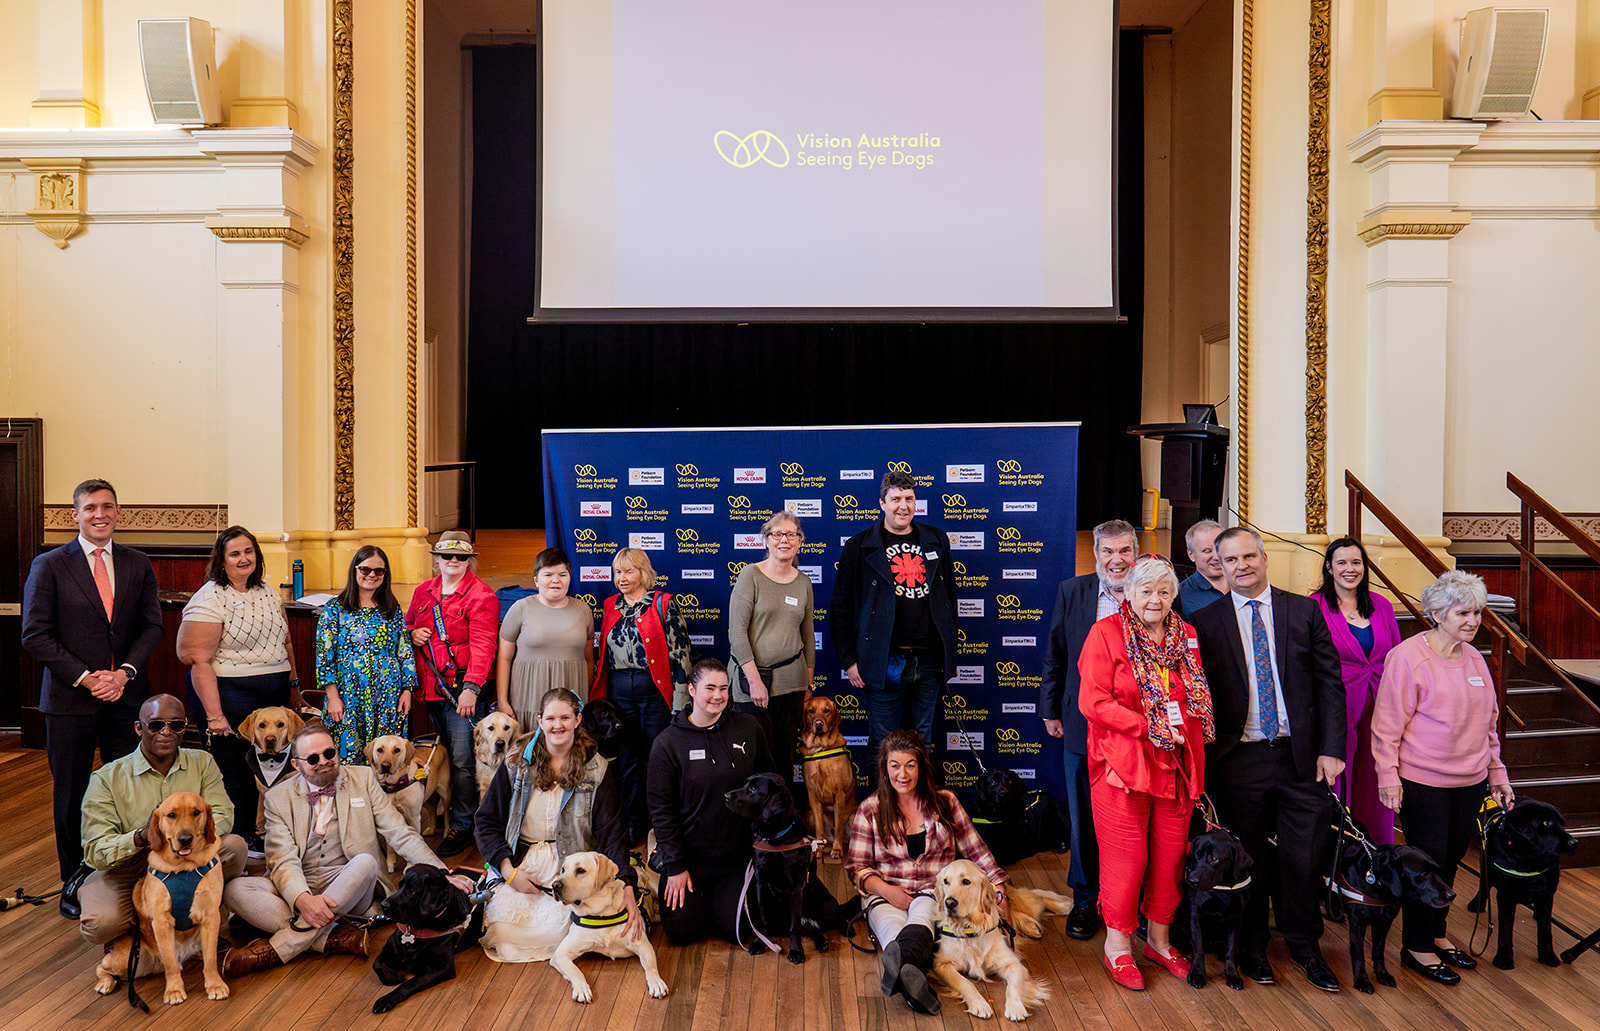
(299, 580)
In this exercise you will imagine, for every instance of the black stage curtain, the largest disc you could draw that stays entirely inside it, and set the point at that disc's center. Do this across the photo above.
(522, 378)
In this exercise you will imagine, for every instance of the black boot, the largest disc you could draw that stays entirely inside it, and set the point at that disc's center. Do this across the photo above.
(891, 963)
(913, 946)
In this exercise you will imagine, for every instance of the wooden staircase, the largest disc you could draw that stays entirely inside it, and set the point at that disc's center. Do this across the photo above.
(1549, 728)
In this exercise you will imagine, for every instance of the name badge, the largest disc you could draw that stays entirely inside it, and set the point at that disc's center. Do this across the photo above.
(697, 753)
(790, 601)
(1194, 643)
(1174, 714)
(1475, 681)
(930, 555)
(357, 802)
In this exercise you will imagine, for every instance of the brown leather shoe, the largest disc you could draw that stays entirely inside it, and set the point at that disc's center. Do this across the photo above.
(345, 939)
(247, 959)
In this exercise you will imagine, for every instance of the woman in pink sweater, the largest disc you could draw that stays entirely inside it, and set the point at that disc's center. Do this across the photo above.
(1436, 746)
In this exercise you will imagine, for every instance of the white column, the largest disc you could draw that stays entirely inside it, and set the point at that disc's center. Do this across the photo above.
(69, 65)
(1403, 66)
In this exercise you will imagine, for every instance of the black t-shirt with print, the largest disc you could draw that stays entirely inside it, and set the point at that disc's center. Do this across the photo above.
(913, 621)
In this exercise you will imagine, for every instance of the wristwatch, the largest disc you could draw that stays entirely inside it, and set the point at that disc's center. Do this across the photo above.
(140, 838)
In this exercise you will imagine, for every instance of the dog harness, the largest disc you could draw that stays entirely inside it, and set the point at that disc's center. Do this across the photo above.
(405, 782)
(181, 885)
(826, 753)
(1033, 800)
(765, 845)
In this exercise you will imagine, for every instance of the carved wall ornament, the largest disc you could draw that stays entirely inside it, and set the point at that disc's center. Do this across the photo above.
(150, 518)
(1493, 526)
(58, 198)
(344, 329)
(1241, 422)
(259, 230)
(1412, 224)
(1317, 270)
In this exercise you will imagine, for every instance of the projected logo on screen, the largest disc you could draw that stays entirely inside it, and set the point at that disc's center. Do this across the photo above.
(745, 151)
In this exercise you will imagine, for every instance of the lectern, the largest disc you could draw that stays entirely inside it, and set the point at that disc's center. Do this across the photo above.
(1194, 463)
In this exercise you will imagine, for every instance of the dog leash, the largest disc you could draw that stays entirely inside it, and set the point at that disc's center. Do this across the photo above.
(961, 729)
(133, 968)
(1345, 826)
(765, 845)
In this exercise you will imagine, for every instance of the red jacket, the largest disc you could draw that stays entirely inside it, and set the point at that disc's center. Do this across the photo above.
(1119, 735)
(472, 622)
(654, 636)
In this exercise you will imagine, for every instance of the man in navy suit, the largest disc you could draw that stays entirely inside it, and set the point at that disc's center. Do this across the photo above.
(1080, 602)
(91, 616)
(1279, 702)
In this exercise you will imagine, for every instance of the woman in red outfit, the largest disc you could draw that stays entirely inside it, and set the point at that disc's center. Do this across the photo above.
(1149, 713)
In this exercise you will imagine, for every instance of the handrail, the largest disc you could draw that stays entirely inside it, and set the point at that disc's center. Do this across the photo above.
(1534, 506)
(1533, 560)
(1553, 515)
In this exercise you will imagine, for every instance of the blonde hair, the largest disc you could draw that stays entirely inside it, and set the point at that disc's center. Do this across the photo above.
(638, 560)
(784, 516)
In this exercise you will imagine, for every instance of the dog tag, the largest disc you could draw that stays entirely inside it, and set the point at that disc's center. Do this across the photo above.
(1475, 681)
(697, 753)
(1174, 714)
(790, 601)
(357, 802)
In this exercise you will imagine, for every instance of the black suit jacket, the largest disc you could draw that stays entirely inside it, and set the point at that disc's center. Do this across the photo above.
(1077, 605)
(64, 625)
(1308, 669)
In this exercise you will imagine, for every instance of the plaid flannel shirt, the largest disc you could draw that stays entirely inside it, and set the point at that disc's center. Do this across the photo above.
(870, 853)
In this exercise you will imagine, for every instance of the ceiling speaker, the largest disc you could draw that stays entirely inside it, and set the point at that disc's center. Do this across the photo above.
(1502, 50)
(180, 71)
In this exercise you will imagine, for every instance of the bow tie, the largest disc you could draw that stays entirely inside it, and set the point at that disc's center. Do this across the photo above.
(271, 757)
(318, 794)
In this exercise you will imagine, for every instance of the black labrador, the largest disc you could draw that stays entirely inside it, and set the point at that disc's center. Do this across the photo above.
(785, 897)
(603, 720)
(1372, 881)
(1014, 822)
(1216, 885)
(1522, 864)
(434, 920)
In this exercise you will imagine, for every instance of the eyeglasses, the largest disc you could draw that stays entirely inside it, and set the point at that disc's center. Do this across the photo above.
(371, 570)
(162, 726)
(784, 535)
(327, 755)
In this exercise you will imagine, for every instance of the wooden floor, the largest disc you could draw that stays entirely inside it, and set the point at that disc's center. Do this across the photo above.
(46, 976)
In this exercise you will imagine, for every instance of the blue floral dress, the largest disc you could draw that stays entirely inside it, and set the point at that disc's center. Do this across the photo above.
(368, 658)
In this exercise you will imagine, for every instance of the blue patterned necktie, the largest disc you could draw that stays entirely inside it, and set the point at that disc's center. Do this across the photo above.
(1266, 696)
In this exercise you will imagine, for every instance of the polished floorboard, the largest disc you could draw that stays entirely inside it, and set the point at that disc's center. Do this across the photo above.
(46, 976)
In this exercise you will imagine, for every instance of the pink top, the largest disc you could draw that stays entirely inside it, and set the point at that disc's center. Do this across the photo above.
(1435, 719)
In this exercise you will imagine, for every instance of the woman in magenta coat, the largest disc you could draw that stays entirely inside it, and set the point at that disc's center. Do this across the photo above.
(1364, 629)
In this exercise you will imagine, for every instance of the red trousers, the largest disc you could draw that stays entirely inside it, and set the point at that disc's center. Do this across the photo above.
(1143, 840)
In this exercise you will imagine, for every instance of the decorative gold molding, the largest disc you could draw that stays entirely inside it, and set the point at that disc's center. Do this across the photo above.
(1416, 103)
(344, 328)
(1242, 390)
(150, 518)
(264, 230)
(58, 198)
(1493, 526)
(1317, 270)
(411, 262)
(1412, 224)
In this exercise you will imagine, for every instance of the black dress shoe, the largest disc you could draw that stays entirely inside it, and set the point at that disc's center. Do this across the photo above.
(1318, 974)
(1082, 923)
(1432, 971)
(1457, 958)
(454, 843)
(1257, 969)
(70, 907)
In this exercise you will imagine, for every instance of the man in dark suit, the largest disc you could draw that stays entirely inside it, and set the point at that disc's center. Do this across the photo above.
(1080, 602)
(91, 617)
(1279, 702)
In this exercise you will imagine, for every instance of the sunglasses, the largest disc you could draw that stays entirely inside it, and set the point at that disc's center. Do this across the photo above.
(162, 726)
(370, 571)
(1151, 554)
(327, 755)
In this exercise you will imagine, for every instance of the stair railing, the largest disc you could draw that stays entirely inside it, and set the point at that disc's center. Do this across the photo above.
(1535, 507)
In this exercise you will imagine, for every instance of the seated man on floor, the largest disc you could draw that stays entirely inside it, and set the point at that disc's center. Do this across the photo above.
(323, 858)
(116, 811)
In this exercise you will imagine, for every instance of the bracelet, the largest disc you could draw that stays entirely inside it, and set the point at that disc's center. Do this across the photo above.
(294, 681)
(218, 716)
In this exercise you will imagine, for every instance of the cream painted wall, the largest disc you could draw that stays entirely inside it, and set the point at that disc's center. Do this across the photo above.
(19, 59)
(124, 102)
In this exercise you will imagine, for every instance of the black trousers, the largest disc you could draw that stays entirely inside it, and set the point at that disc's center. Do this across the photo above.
(712, 908)
(69, 747)
(1441, 822)
(239, 697)
(780, 721)
(1260, 795)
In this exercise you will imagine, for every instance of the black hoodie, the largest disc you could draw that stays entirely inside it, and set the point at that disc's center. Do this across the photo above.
(691, 768)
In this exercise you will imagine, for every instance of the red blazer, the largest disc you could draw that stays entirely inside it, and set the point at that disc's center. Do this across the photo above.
(1119, 735)
(654, 636)
(471, 619)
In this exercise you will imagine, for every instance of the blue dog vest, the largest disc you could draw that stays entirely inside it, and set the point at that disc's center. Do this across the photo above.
(181, 885)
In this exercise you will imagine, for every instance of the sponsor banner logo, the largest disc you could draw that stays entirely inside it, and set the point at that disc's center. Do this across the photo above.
(1026, 774)
(957, 707)
(843, 540)
(857, 474)
(1018, 707)
(1019, 574)
(699, 640)
(690, 478)
(1019, 506)
(905, 467)
(750, 475)
(689, 542)
(586, 541)
(594, 510)
(734, 569)
(594, 574)
(1012, 474)
(1011, 541)
(1008, 741)
(972, 741)
(692, 609)
(1009, 674)
(655, 476)
(957, 508)
(740, 508)
(850, 707)
(856, 740)
(966, 580)
(922, 507)
(1019, 642)
(806, 508)
(1009, 606)
(963, 474)
(749, 542)
(795, 477)
(847, 508)
(697, 574)
(594, 605)
(966, 646)
(968, 675)
(648, 541)
(699, 508)
(639, 510)
(956, 775)
(966, 540)
(813, 573)
(816, 640)
(586, 477)
(969, 608)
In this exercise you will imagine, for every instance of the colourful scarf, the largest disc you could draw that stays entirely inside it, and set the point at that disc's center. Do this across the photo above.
(1173, 655)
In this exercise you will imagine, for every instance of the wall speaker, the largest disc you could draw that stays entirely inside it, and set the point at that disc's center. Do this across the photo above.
(1502, 50)
(180, 71)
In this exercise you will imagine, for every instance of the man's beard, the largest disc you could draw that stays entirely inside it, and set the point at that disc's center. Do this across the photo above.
(321, 776)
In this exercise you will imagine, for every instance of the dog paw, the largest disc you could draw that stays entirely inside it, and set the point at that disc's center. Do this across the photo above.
(836, 856)
(983, 1011)
(1363, 986)
(797, 956)
(1549, 959)
(581, 992)
(217, 992)
(657, 987)
(105, 984)
(1016, 1012)
(1235, 982)
(1197, 975)
(173, 996)
(1503, 961)
(822, 945)
(385, 1003)
(757, 948)
(1384, 978)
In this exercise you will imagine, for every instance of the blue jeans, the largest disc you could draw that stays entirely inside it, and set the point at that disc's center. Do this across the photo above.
(1083, 871)
(645, 715)
(456, 733)
(909, 704)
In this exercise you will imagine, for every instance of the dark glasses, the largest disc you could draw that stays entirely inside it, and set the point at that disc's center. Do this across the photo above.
(161, 726)
(327, 755)
(370, 571)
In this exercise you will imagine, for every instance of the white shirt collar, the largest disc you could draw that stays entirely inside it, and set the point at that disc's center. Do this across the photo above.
(88, 548)
(1240, 602)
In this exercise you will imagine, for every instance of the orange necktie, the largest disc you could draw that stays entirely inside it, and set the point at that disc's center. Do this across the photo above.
(102, 579)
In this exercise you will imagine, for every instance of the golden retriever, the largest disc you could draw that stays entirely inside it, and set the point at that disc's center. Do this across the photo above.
(268, 730)
(830, 778)
(971, 944)
(491, 739)
(588, 885)
(411, 777)
(183, 847)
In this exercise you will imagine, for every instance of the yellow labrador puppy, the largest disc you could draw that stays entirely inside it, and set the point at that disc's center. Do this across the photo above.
(588, 885)
(971, 944)
(490, 740)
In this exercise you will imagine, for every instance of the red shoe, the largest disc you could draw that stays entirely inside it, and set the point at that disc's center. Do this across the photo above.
(1125, 971)
(1173, 960)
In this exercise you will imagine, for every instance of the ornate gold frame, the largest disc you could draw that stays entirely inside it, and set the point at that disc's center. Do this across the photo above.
(344, 238)
(1317, 270)
(411, 263)
(1242, 388)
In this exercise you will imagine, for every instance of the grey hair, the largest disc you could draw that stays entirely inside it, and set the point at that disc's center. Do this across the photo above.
(1203, 526)
(1238, 531)
(1115, 528)
(1454, 588)
(1150, 571)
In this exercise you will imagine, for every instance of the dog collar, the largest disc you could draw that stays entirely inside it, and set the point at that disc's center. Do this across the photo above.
(409, 934)
(971, 932)
(1522, 873)
(1233, 887)
(763, 845)
(601, 921)
(826, 753)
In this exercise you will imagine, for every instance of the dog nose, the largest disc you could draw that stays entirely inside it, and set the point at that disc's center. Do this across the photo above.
(185, 839)
(555, 886)
(949, 905)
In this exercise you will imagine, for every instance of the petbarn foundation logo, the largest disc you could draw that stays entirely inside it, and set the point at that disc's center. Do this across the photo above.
(1011, 541)
(654, 476)
(1010, 675)
(648, 541)
(697, 574)
(957, 509)
(698, 508)
(969, 608)
(1019, 506)
(1011, 474)
(850, 707)
(968, 675)
(1009, 741)
(846, 508)
(1009, 606)
(805, 508)
(741, 510)
(795, 477)
(966, 581)
(689, 542)
(905, 467)
(1019, 574)
(594, 510)
(587, 477)
(1019, 708)
(955, 772)
(694, 611)
(734, 569)
(749, 542)
(749, 475)
(857, 474)
(963, 474)
(966, 645)
(689, 478)
(1019, 642)
(585, 541)
(966, 540)
(964, 740)
(639, 510)
(594, 574)
(813, 573)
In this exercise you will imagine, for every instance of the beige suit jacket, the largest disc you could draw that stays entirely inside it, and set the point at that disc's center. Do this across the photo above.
(364, 811)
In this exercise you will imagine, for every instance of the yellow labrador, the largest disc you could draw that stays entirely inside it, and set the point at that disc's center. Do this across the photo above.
(490, 741)
(411, 777)
(588, 885)
(971, 944)
(268, 731)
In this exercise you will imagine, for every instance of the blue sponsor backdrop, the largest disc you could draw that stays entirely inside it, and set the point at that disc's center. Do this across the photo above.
(695, 500)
